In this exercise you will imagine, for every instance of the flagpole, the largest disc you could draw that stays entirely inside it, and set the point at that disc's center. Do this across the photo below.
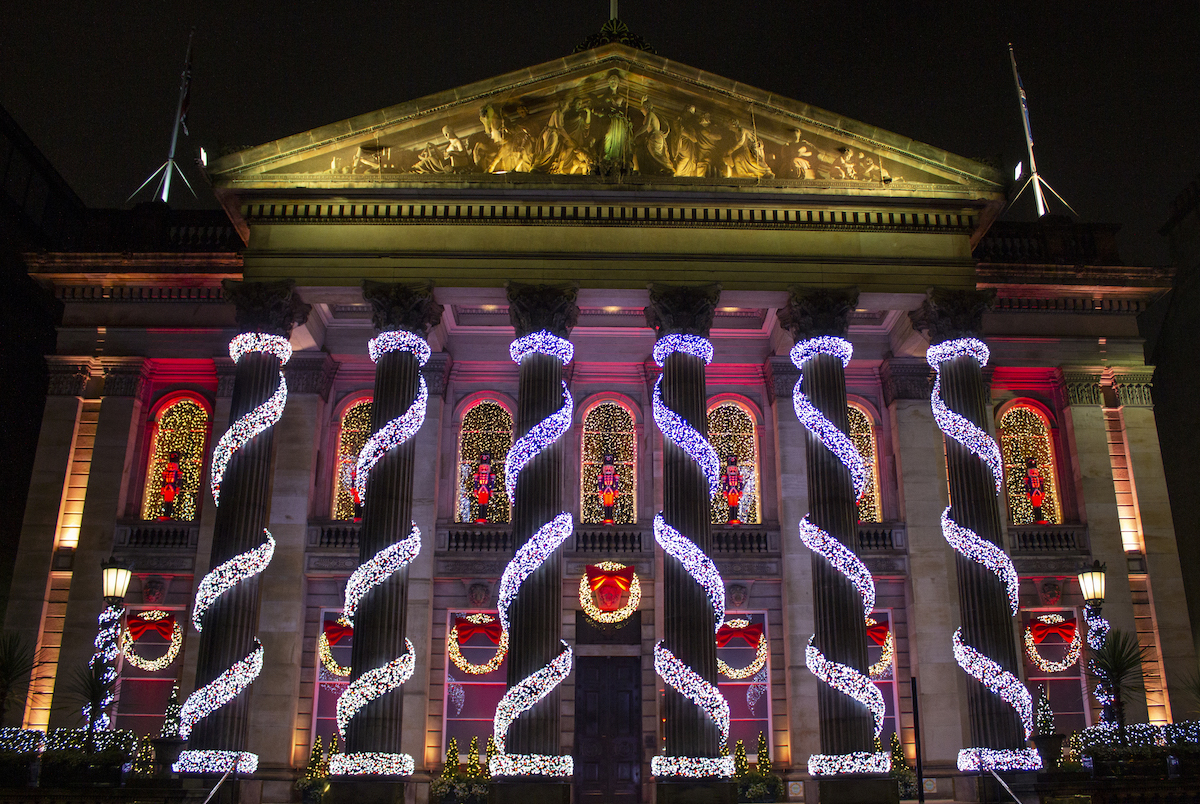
(184, 81)
(1034, 178)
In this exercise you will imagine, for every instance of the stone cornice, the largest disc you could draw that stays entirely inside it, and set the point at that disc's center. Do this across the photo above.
(1082, 387)
(124, 376)
(437, 373)
(780, 375)
(1134, 387)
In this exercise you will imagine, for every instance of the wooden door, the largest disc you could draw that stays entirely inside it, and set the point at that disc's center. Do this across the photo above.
(608, 729)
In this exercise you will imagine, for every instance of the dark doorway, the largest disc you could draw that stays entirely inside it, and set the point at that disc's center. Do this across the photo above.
(608, 729)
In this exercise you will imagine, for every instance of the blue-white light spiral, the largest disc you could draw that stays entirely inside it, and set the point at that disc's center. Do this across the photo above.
(103, 663)
(847, 680)
(969, 544)
(698, 565)
(1098, 629)
(523, 695)
(379, 681)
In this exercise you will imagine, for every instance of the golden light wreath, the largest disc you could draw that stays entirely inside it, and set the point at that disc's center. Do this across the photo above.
(325, 653)
(883, 667)
(162, 662)
(461, 662)
(1074, 649)
(760, 656)
(587, 598)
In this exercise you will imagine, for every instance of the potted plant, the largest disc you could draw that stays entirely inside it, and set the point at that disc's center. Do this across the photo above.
(905, 776)
(19, 752)
(1046, 740)
(757, 783)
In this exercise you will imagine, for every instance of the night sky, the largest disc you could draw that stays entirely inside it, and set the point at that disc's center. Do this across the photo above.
(1114, 95)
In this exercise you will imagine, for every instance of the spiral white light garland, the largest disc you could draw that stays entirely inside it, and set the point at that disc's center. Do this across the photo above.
(107, 644)
(228, 575)
(970, 545)
(216, 762)
(256, 421)
(697, 564)
(375, 683)
(843, 678)
(1098, 628)
(523, 695)
(378, 569)
(220, 691)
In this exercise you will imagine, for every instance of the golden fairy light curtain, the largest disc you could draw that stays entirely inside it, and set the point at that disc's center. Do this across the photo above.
(1029, 477)
(176, 462)
(484, 440)
(353, 433)
(862, 435)
(731, 431)
(608, 432)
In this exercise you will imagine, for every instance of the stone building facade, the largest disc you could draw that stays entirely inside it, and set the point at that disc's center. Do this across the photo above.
(597, 175)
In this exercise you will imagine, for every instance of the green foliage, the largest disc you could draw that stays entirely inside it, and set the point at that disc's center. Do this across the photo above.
(741, 766)
(473, 771)
(170, 726)
(489, 751)
(453, 785)
(1118, 665)
(1043, 716)
(450, 769)
(904, 775)
(90, 686)
(143, 763)
(764, 755)
(334, 749)
(81, 748)
(757, 783)
(17, 662)
(312, 771)
(1189, 685)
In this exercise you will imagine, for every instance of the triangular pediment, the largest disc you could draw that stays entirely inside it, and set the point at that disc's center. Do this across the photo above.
(608, 112)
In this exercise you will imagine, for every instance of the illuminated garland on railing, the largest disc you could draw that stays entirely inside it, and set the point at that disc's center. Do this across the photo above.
(972, 546)
(1074, 649)
(541, 545)
(698, 565)
(847, 680)
(1098, 629)
(107, 644)
(229, 684)
(262, 417)
(162, 662)
(460, 661)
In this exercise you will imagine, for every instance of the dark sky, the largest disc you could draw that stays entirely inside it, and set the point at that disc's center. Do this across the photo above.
(1114, 94)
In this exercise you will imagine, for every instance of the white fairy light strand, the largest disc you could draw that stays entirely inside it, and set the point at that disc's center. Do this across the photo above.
(757, 689)
(695, 561)
(220, 691)
(375, 683)
(260, 418)
(522, 696)
(984, 759)
(162, 662)
(242, 762)
(107, 645)
(954, 424)
(673, 426)
(228, 575)
(371, 763)
(1074, 649)
(378, 569)
(1003, 683)
(710, 700)
(1098, 629)
(847, 680)
(981, 551)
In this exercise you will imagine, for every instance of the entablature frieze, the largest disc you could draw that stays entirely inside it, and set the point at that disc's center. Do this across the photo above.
(69, 376)
(306, 373)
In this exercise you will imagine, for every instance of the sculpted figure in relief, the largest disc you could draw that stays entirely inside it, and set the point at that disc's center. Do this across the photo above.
(653, 137)
(746, 159)
(510, 148)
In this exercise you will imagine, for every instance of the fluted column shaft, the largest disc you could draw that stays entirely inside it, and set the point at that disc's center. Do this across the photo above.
(688, 618)
(380, 621)
(986, 618)
(536, 615)
(846, 726)
(231, 624)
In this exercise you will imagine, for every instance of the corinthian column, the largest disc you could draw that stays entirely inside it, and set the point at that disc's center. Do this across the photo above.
(849, 706)
(215, 716)
(998, 704)
(531, 590)
(388, 540)
(696, 720)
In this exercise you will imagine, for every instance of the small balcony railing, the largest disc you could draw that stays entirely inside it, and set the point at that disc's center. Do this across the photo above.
(149, 534)
(1048, 539)
(740, 541)
(605, 540)
(334, 535)
(881, 537)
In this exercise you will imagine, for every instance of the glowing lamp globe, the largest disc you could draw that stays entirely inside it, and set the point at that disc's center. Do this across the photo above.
(1091, 582)
(116, 575)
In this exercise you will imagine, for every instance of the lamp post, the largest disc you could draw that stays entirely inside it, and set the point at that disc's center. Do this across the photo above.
(115, 575)
(1091, 583)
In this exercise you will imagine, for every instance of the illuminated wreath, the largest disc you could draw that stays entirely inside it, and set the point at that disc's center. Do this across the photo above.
(461, 662)
(1056, 624)
(608, 571)
(325, 647)
(164, 623)
(883, 667)
(730, 630)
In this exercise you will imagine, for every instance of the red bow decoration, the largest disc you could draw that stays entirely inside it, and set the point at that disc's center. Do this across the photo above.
(878, 633)
(751, 633)
(1041, 630)
(137, 626)
(468, 629)
(609, 585)
(335, 631)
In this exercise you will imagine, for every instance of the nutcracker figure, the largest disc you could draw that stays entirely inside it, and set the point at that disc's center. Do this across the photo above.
(485, 484)
(170, 487)
(608, 487)
(732, 486)
(354, 495)
(1034, 490)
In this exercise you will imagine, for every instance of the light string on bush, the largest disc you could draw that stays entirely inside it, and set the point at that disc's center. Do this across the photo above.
(1098, 629)
(698, 565)
(523, 695)
(847, 680)
(969, 544)
(261, 417)
(152, 620)
(107, 645)
(1074, 647)
(376, 682)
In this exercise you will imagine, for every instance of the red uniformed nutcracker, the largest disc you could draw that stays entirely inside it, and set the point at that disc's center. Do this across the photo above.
(1034, 489)
(485, 484)
(608, 487)
(170, 487)
(732, 486)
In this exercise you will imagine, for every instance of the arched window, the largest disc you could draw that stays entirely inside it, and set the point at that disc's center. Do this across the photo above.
(483, 443)
(176, 461)
(1029, 476)
(731, 431)
(863, 436)
(353, 432)
(608, 469)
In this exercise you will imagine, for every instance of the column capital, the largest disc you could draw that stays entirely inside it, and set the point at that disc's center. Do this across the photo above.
(124, 376)
(1134, 387)
(948, 313)
(533, 308)
(272, 308)
(780, 376)
(813, 312)
(68, 375)
(1081, 387)
(226, 372)
(437, 372)
(310, 373)
(402, 306)
(905, 378)
(682, 309)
